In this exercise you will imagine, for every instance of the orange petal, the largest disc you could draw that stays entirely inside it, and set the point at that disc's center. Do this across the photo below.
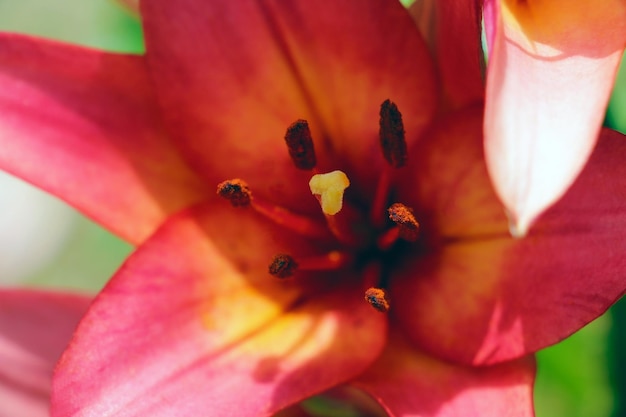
(551, 68)
(230, 106)
(82, 124)
(446, 181)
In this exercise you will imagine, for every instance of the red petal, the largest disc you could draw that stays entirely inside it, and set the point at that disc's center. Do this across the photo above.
(190, 325)
(551, 68)
(410, 383)
(82, 125)
(35, 327)
(260, 65)
(485, 298)
(452, 30)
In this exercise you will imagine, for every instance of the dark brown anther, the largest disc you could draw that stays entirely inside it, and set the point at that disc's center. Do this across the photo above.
(236, 191)
(391, 134)
(300, 145)
(283, 266)
(377, 298)
(404, 218)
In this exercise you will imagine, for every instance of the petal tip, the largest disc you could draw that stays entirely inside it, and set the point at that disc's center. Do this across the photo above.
(518, 227)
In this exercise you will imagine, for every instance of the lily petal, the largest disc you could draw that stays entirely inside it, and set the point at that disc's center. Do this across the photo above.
(82, 124)
(35, 327)
(191, 324)
(409, 383)
(447, 184)
(485, 297)
(452, 30)
(263, 64)
(551, 68)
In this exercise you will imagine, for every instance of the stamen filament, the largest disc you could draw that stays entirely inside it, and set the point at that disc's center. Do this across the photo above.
(388, 238)
(343, 226)
(328, 262)
(303, 225)
(239, 194)
(284, 265)
(377, 211)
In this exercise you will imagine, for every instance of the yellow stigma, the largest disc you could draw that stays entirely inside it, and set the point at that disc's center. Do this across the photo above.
(330, 188)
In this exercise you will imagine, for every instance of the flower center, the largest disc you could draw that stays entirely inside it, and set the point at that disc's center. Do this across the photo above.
(367, 242)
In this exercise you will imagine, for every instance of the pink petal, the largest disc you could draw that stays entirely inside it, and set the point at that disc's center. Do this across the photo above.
(551, 68)
(35, 327)
(481, 297)
(260, 65)
(82, 125)
(452, 30)
(190, 325)
(409, 383)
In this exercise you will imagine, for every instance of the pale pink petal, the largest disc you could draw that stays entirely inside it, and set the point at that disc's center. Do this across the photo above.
(551, 68)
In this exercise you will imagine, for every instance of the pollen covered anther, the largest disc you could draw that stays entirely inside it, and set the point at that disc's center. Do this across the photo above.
(236, 191)
(377, 298)
(283, 266)
(330, 188)
(300, 145)
(391, 134)
(403, 216)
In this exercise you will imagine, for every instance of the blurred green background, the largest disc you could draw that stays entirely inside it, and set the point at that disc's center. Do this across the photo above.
(582, 376)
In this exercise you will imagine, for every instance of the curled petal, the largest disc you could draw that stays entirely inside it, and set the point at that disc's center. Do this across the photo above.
(82, 124)
(408, 382)
(192, 324)
(551, 68)
(35, 327)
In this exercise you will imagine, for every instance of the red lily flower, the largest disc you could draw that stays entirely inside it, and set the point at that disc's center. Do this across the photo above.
(193, 323)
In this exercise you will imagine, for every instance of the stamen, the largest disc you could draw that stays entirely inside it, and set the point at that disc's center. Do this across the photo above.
(240, 195)
(391, 134)
(388, 238)
(283, 266)
(404, 218)
(300, 145)
(330, 188)
(236, 191)
(377, 210)
(377, 298)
